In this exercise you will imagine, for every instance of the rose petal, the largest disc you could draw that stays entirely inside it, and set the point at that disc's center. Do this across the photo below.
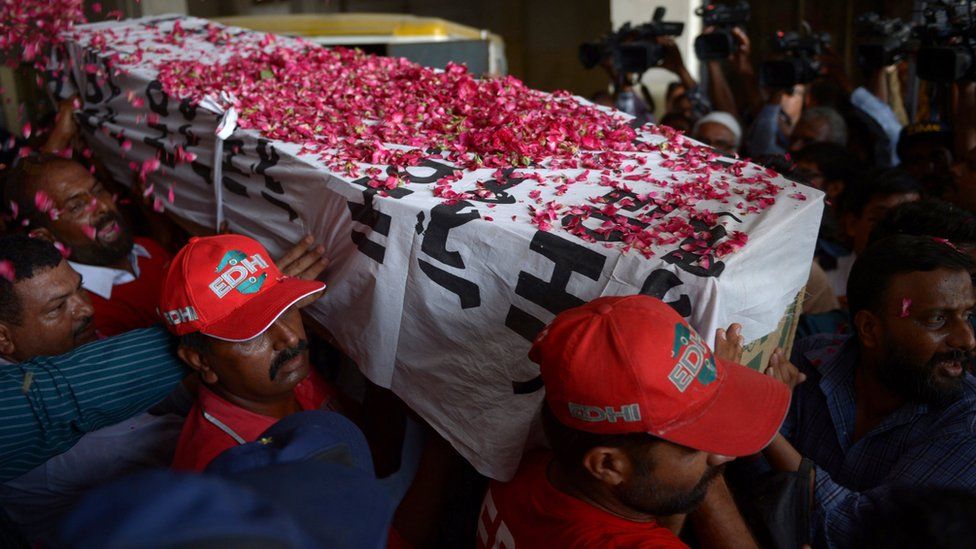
(7, 270)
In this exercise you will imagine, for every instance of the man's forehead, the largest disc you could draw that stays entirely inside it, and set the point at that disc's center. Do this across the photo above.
(47, 284)
(938, 289)
(62, 178)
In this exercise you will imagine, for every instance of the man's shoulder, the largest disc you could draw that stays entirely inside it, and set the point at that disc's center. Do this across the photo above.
(532, 467)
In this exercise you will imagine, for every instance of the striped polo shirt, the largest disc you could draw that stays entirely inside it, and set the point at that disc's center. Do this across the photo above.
(48, 403)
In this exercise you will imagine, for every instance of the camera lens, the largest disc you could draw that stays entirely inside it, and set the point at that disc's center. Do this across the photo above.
(714, 46)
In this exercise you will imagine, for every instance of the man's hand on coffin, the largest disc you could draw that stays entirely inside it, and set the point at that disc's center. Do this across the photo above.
(782, 369)
(728, 343)
(306, 260)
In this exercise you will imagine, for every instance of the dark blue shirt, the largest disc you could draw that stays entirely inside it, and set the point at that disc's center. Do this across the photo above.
(916, 445)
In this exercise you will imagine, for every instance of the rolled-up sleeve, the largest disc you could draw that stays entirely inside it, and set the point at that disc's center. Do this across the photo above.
(48, 403)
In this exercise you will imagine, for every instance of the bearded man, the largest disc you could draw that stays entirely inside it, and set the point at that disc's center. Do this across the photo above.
(893, 405)
(60, 200)
(641, 418)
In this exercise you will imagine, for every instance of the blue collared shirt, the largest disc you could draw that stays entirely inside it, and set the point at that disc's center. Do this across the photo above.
(48, 403)
(916, 445)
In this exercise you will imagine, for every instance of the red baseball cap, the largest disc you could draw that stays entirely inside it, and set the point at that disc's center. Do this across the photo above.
(632, 364)
(227, 287)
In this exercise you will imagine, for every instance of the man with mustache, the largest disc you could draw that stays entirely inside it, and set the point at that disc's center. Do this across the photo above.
(641, 418)
(44, 311)
(43, 308)
(240, 329)
(892, 405)
(79, 412)
(62, 201)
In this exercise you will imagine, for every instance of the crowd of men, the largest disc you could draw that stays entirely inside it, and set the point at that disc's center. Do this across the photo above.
(163, 391)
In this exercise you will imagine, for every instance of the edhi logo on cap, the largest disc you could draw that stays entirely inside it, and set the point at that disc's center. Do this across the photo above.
(239, 274)
(694, 360)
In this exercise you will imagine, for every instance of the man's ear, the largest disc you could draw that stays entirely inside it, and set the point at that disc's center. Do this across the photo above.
(194, 359)
(607, 464)
(43, 233)
(869, 329)
(7, 347)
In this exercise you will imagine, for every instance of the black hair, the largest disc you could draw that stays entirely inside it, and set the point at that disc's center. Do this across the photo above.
(569, 445)
(878, 183)
(779, 162)
(894, 255)
(920, 516)
(196, 341)
(929, 217)
(26, 257)
(834, 161)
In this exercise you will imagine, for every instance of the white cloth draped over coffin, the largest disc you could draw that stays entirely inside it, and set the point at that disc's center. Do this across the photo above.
(435, 301)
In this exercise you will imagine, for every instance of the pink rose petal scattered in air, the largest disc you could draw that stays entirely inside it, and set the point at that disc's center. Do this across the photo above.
(30, 29)
(946, 242)
(7, 270)
(89, 231)
(65, 251)
(43, 202)
(905, 304)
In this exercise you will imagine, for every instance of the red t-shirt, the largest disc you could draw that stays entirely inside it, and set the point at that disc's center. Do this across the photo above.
(529, 512)
(133, 304)
(201, 440)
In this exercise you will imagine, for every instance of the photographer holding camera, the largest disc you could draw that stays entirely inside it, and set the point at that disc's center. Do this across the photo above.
(810, 68)
(724, 38)
(629, 52)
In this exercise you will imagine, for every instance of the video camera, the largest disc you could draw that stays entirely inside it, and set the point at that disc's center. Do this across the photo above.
(800, 64)
(882, 42)
(948, 41)
(632, 49)
(725, 17)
